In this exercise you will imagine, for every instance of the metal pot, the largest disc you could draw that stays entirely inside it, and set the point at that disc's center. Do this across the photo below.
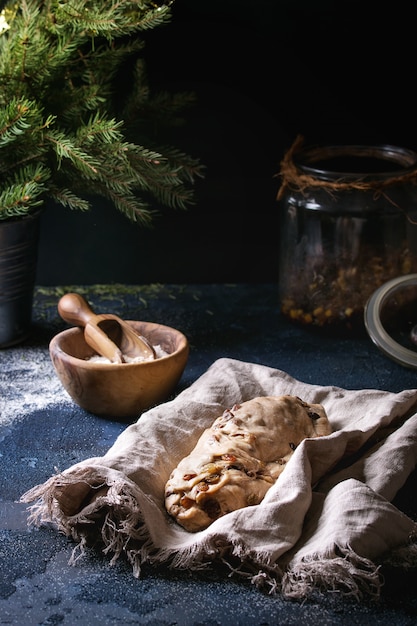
(18, 258)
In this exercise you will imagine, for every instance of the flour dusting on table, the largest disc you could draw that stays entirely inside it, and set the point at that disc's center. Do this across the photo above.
(36, 386)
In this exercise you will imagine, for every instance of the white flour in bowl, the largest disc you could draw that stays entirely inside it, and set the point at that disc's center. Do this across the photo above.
(159, 352)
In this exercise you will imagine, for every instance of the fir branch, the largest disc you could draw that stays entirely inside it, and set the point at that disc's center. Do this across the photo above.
(101, 64)
(131, 206)
(65, 147)
(59, 65)
(24, 192)
(112, 19)
(68, 198)
(20, 117)
(100, 129)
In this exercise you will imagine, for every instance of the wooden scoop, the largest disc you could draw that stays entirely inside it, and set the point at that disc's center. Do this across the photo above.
(107, 334)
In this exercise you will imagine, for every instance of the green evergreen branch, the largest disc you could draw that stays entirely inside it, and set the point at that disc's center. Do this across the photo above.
(115, 20)
(23, 191)
(66, 148)
(63, 133)
(101, 130)
(69, 199)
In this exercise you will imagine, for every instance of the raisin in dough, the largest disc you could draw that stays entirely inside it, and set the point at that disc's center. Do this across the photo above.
(240, 457)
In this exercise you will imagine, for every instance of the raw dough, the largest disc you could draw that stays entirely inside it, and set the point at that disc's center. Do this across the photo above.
(240, 457)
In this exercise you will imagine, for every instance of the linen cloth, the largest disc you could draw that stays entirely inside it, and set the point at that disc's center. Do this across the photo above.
(326, 524)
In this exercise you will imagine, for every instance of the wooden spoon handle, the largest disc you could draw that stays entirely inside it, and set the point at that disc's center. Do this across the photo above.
(102, 344)
(75, 310)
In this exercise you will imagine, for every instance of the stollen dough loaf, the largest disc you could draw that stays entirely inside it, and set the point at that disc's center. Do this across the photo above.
(240, 457)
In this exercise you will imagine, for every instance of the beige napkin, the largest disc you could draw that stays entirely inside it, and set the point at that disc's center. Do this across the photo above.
(327, 523)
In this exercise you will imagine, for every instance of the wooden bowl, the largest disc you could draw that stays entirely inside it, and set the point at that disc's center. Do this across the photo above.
(119, 390)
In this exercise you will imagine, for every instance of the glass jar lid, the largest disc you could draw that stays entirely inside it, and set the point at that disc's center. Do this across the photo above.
(390, 317)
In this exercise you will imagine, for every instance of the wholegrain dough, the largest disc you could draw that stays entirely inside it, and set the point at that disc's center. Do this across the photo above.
(240, 457)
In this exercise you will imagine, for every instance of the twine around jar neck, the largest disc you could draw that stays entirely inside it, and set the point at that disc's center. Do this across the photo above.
(293, 177)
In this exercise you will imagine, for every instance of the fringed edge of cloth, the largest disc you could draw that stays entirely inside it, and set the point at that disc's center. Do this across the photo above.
(114, 522)
(342, 571)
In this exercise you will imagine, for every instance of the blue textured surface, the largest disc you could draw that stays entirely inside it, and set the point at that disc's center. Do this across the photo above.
(40, 430)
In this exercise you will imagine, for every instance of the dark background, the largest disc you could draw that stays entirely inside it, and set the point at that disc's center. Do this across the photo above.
(263, 72)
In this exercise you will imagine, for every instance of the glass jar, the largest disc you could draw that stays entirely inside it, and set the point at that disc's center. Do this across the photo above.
(348, 225)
